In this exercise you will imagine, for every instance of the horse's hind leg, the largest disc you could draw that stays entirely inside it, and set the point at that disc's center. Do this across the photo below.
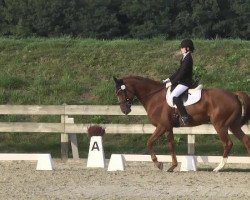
(237, 131)
(227, 145)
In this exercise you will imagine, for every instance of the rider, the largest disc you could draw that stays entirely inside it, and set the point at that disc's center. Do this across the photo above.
(181, 80)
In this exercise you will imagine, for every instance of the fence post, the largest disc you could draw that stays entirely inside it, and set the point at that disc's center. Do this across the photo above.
(191, 143)
(64, 139)
(73, 140)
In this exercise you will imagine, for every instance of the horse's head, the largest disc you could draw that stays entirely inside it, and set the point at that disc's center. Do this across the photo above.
(125, 95)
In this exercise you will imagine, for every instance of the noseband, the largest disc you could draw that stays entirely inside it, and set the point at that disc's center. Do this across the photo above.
(128, 102)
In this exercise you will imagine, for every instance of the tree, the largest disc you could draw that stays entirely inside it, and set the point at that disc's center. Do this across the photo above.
(233, 19)
(100, 20)
(108, 19)
(241, 23)
(58, 17)
(2, 21)
(17, 17)
(205, 13)
(145, 18)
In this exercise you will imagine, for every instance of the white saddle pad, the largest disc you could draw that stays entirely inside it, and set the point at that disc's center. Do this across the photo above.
(194, 95)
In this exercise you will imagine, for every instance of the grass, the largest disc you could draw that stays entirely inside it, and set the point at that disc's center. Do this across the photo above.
(64, 70)
(79, 71)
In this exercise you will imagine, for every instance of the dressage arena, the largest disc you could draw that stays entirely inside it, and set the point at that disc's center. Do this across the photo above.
(140, 180)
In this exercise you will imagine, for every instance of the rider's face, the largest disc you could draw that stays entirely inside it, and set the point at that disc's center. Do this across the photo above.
(183, 50)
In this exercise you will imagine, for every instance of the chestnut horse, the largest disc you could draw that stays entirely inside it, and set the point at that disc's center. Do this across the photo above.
(221, 108)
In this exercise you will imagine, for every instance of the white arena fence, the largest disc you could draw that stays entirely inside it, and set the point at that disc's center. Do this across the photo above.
(69, 129)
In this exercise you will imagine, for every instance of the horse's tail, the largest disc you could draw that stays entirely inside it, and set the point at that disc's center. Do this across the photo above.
(246, 106)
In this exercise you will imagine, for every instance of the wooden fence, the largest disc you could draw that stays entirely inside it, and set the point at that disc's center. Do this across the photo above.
(67, 127)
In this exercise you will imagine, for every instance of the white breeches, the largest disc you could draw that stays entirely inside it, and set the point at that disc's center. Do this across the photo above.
(179, 89)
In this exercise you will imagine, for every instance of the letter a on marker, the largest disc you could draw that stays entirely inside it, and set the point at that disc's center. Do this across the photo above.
(95, 146)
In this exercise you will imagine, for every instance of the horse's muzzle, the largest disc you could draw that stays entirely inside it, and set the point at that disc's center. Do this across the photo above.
(127, 111)
(126, 106)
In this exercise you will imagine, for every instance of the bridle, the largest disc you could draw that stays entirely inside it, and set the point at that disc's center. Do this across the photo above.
(128, 102)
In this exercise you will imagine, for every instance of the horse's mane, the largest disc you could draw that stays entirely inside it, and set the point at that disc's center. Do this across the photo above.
(144, 79)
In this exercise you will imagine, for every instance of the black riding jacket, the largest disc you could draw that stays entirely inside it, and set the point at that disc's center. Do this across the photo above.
(185, 72)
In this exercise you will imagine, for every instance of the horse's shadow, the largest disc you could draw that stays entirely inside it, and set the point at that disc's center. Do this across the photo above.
(223, 170)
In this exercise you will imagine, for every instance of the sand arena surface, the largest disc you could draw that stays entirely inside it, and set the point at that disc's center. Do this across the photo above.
(140, 180)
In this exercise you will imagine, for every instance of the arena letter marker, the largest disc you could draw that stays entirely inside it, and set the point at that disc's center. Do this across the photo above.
(116, 163)
(96, 157)
(188, 163)
(45, 162)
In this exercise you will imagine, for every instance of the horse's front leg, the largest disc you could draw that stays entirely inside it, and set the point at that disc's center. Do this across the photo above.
(157, 133)
(171, 146)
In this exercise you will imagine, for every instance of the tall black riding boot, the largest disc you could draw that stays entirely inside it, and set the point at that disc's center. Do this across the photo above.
(185, 117)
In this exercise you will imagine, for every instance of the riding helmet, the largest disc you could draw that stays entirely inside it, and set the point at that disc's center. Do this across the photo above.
(187, 43)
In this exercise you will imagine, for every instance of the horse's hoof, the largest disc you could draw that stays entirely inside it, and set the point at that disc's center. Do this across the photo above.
(221, 165)
(171, 169)
(159, 165)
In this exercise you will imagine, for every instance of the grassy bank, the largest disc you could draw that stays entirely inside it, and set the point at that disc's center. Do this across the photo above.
(75, 71)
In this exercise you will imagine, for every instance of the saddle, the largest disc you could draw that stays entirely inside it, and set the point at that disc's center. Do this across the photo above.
(191, 96)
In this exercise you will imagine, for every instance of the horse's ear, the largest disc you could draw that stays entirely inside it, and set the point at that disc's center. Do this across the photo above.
(115, 79)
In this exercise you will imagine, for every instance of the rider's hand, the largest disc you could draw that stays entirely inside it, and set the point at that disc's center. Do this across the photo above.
(168, 84)
(166, 80)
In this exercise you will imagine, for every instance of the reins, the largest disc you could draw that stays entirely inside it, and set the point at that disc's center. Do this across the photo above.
(153, 92)
(145, 96)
